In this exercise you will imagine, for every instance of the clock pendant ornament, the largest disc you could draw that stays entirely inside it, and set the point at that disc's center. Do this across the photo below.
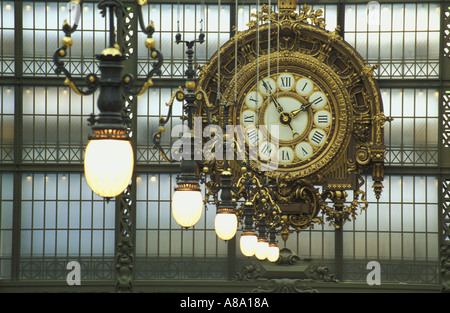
(309, 109)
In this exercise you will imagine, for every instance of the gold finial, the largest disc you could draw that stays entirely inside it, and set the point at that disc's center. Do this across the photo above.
(290, 5)
(111, 51)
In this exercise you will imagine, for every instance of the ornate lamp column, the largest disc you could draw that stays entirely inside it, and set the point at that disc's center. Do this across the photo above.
(109, 159)
(187, 201)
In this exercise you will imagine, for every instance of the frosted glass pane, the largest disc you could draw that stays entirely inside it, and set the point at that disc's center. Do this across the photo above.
(164, 243)
(408, 246)
(385, 18)
(165, 216)
(361, 15)
(97, 243)
(86, 242)
(140, 242)
(50, 240)
(141, 215)
(74, 242)
(97, 215)
(7, 37)
(7, 14)
(397, 45)
(397, 17)
(434, 19)
(385, 46)
(26, 215)
(176, 241)
(86, 215)
(410, 17)
(350, 20)
(62, 215)
(373, 45)
(420, 218)
(153, 187)
(408, 132)
(153, 215)
(407, 219)
(50, 214)
(61, 243)
(6, 214)
(25, 243)
(420, 132)
(433, 45)
(5, 246)
(74, 215)
(384, 217)
(409, 45)
(37, 245)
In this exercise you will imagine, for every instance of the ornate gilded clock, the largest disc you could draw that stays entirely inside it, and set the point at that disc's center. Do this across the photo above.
(310, 109)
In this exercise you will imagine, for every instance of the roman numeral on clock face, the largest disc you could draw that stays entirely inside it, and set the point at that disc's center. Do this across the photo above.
(318, 100)
(248, 118)
(317, 137)
(322, 118)
(285, 155)
(285, 81)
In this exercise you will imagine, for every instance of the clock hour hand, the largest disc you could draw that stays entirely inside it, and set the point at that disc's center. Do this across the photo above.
(303, 108)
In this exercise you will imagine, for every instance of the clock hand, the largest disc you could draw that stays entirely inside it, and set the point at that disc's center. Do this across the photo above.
(293, 131)
(303, 108)
(279, 108)
(268, 89)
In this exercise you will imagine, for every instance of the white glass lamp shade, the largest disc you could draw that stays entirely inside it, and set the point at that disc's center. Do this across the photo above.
(187, 207)
(108, 166)
(248, 244)
(262, 249)
(274, 253)
(225, 224)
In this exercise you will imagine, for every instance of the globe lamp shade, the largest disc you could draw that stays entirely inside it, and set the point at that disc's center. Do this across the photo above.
(262, 249)
(248, 243)
(108, 166)
(187, 206)
(225, 225)
(274, 253)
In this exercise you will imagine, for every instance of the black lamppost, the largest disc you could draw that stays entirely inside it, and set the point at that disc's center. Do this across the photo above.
(109, 159)
(187, 200)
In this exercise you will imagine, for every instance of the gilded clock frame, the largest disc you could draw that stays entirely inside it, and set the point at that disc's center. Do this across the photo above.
(300, 39)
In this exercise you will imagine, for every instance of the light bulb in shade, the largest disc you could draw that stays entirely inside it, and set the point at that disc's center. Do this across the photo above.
(248, 243)
(225, 225)
(274, 252)
(187, 206)
(262, 249)
(108, 166)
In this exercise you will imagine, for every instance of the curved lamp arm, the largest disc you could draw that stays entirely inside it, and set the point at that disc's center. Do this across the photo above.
(67, 42)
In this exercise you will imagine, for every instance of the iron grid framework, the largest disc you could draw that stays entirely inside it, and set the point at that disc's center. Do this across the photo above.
(49, 216)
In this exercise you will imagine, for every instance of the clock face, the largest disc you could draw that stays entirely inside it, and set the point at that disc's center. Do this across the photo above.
(288, 119)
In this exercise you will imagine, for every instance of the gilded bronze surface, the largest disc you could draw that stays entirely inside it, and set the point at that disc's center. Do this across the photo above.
(299, 44)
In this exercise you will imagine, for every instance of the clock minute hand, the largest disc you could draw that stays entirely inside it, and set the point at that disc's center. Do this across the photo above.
(279, 108)
(268, 89)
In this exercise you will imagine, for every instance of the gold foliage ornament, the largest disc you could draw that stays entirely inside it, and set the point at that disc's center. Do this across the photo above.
(287, 70)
